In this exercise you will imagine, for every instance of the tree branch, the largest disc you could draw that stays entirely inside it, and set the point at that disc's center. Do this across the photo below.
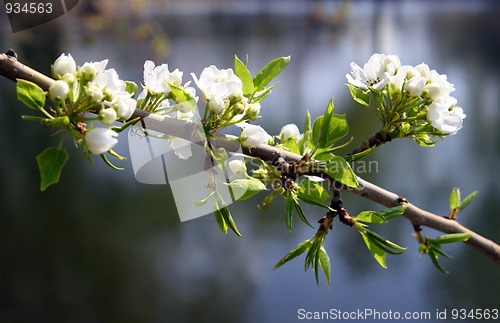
(12, 69)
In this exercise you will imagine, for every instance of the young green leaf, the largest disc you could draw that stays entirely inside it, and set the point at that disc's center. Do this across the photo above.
(359, 95)
(300, 212)
(340, 170)
(204, 201)
(181, 95)
(324, 262)
(268, 200)
(385, 244)
(220, 221)
(371, 217)
(30, 94)
(434, 258)
(316, 132)
(325, 125)
(453, 237)
(223, 216)
(269, 72)
(467, 200)
(289, 206)
(259, 96)
(131, 87)
(376, 251)
(297, 251)
(50, 163)
(454, 198)
(244, 75)
(364, 153)
(312, 192)
(246, 188)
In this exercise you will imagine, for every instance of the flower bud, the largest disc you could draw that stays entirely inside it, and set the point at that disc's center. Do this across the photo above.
(238, 108)
(252, 135)
(68, 78)
(125, 107)
(94, 93)
(216, 105)
(253, 111)
(415, 85)
(108, 115)
(290, 131)
(58, 91)
(87, 72)
(238, 168)
(100, 140)
(64, 64)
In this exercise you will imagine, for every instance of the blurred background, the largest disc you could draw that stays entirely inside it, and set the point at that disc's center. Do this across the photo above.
(101, 247)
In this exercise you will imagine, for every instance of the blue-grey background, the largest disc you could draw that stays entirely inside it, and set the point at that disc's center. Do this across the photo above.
(101, 247)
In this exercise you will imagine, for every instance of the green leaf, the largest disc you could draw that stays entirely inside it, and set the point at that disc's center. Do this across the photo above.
(324, 262)
(340, 170)
(204, 201)
(385, 244)
(50, 163)
(297, 251)
(289, 206)
(359, 95)
(352, 158)
(268, 200)
(329, 128)
(269, 72)
(312, 192)
(223, 216)
(325, 125)
(376, 251)
(453, 237)
(454, 198)
(300, 212)
(434, 258)
(307, 122)
(131, 87)
(30, 94)
(371, 217)
(244, 75)
(259, 96)
(424, 140)
(467, 200)
(181, 95)
(246, 188)
(316, 132)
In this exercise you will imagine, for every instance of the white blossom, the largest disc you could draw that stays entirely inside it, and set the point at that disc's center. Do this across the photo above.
(252, 135)
(88, 71)
(110, 83)
(100, 140)
(238, 168)
(436, 85)
(58, 91)
(376, 73)
(108, 115)
(445, 116)
(415, 85)
(125, 107)
(218, 85)
(290, 131)
(64, 64)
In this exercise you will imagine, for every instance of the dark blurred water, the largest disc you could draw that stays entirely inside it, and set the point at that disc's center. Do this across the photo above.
(101, 247)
